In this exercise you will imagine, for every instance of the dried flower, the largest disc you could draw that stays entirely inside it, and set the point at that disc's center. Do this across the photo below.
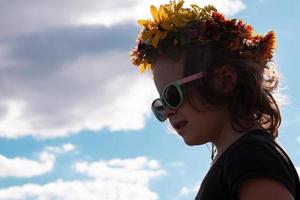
(173, 26)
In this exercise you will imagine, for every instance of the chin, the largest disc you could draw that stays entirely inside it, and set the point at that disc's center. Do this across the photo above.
(191, 142)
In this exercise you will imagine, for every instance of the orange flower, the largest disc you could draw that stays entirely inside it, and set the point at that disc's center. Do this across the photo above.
(268, 45)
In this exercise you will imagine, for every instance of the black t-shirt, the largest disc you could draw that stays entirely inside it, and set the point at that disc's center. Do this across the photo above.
(255, 154)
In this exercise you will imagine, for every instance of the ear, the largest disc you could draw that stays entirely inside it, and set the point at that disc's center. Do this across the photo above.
(225, 79)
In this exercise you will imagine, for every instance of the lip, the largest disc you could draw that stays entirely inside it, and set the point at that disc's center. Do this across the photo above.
(180, 125)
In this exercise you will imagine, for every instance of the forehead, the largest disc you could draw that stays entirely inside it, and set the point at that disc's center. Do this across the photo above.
(166, 71)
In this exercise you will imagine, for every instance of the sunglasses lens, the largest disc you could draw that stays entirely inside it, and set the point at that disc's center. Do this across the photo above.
(158, 110)
(172, 96)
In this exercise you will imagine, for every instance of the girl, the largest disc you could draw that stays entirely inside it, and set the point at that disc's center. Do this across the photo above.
(215, 78)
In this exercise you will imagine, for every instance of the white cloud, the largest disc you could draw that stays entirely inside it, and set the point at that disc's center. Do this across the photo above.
(53, 90)
(140, 9)
(137, 171)
(187, 191)
(6, 59)
(92, 92)
(35, 15)
(68, 147)
(109, 180)
(63, 149)
(12, 117)
(228, 7)
(21, 167)
(26, 168)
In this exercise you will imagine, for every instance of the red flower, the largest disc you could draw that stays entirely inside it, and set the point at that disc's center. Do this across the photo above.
(218, 16)
(212, 30)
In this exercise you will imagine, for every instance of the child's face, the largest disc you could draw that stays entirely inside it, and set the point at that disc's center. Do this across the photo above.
(201, 127)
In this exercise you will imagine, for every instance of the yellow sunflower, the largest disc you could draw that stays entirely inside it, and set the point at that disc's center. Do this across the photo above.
(165, 19)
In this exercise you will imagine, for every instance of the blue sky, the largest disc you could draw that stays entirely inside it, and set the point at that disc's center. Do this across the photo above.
(75, 117)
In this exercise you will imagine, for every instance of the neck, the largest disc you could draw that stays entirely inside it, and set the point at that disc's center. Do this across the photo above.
(227, 137)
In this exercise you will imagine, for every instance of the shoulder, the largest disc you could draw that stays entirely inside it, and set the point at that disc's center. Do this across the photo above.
(256, 144)
(255, 148)
(263, 189)
(256, 164)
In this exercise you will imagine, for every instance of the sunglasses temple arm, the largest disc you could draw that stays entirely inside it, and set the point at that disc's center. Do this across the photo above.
(192, 77)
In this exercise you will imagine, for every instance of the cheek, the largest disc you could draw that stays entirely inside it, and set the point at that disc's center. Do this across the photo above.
(201, 124)
(196, 133)
(204, 126)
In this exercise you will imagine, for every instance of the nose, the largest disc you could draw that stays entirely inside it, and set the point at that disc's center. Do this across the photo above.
(169, 111)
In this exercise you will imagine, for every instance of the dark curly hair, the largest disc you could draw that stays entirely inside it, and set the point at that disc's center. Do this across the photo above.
(251, 100)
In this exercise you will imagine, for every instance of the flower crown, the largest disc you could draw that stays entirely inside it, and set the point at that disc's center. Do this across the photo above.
(174, 27)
